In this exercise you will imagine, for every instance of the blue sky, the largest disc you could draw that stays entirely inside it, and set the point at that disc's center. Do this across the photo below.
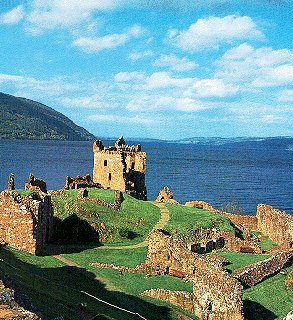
(154, 69)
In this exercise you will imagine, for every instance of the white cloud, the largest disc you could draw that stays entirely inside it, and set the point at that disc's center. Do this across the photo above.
(210, 33)
(134, 56)
(50, 14)
(12, 17)
(110, 41)
(262, 67)
(175, 63)
(128, 76)
(160, 80)
(214, 88)
(137, 119)
(286, 96)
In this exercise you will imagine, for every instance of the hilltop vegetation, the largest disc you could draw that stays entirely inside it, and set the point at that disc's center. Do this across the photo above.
(22, 118)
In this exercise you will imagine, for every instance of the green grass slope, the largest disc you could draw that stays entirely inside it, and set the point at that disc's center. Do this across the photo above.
(22, 118)
(185, 220)
(135, 218)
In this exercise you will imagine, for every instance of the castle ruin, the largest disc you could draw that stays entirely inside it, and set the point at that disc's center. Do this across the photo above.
(120, 167)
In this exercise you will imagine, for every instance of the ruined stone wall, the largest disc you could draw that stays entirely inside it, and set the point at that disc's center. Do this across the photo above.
(249, 222)
(236, 244)
(217, 294)
(259, 271)
(25, 222)
(181, 299)
(276, 224)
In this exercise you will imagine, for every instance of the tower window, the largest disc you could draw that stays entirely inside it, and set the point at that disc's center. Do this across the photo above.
(105, 163)
(110, 176)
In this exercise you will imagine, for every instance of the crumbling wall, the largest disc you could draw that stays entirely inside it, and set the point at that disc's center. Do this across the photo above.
(182, 299)
(216, 293)
(25, 221)
(276, 224)
(249, 222)
(233, 243)
(80, 182)
(259, 271)
(34, 184)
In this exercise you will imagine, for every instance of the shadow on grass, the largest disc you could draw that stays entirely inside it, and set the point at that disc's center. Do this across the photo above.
(255, 311)
(55, 290)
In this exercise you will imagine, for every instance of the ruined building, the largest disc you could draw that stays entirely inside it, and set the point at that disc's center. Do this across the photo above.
(120, 167)
(26, 222)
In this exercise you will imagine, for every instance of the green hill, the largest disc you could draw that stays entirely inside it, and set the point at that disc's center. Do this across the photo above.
(22, 118)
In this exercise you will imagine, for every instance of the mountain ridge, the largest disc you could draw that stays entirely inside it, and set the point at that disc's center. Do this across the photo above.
(22, 118)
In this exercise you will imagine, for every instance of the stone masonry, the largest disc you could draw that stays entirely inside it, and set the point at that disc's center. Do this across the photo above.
(259, 271)
(120, 167)
(25, 221)
(276, 224)
(216, 295)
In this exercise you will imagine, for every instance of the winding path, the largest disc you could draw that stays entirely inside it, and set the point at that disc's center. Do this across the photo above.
(165, 216)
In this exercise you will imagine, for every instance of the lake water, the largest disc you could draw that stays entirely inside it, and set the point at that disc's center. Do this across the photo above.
(247, 172)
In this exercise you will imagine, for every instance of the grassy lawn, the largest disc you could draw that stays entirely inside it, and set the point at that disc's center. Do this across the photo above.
(135, 217)
(184, 220)
(240, 260)
(268, 300)
(128, 258)
(265, 242)
(136, 283)
(47, 282)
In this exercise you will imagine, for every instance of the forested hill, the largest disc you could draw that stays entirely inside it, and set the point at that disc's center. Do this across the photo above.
(22, 118)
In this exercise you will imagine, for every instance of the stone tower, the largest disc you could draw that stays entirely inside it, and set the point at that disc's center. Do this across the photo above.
(120, 167)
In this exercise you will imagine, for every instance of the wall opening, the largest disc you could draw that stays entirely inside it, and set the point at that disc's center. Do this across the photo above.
(105, 163)
(110, 176)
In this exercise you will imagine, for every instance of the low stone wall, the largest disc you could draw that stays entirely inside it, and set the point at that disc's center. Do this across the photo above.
(238, 245)
(259, 271)
(25, 221)
(116, 205)
(181, 299)
(216, 293)
(249, 222)
(276, 224)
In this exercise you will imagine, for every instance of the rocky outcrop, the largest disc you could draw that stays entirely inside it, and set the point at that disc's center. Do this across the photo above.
(166, 196)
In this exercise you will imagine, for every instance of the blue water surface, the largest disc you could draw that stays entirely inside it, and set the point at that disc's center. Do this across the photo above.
(247, 172)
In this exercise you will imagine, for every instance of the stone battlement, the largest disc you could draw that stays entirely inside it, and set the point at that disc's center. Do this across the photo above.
(120, 167)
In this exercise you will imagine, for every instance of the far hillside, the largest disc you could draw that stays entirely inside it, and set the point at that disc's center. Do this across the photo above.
(22, 118)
